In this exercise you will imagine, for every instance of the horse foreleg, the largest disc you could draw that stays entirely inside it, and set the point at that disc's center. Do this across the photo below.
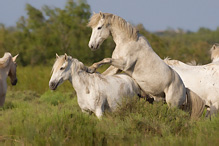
(118, 63)
(111, 71)
(96, 65)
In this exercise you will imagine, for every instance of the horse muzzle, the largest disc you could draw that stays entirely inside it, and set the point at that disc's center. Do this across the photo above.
(53, 85)
(94, 47)
(14, 82)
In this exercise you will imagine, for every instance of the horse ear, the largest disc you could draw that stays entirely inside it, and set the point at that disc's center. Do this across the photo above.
(94, 13)
(15, 57)
(102, 15)
(57, 56)
(66, 56)
(214, 47)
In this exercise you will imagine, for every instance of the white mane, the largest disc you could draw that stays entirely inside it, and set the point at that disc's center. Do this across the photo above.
(168, 61)
(60, 61)
(115, 21)
(4, 61)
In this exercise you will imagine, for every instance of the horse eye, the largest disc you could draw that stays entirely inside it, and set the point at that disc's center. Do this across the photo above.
(99, 28)
(62, 68)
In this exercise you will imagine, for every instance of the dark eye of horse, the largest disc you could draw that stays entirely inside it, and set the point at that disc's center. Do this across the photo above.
(62, 68)
(99, 28)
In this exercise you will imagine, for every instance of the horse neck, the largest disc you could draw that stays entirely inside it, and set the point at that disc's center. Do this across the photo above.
(79, 75)
(119, 36)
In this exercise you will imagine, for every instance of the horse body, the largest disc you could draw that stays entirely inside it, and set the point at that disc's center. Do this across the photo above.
(203, 80)
(7, 68)
(95, 92)
(134, 55)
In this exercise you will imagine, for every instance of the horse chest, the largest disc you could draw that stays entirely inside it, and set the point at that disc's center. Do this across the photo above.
(122, 51)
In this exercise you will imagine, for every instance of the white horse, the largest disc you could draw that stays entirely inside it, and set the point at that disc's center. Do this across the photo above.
(7, 68)
(202, 79)
(95, 92)
(214, 51)
(134, 55)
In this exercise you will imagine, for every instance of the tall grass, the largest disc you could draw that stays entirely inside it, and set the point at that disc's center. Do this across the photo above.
(34, 115)
(55, 118)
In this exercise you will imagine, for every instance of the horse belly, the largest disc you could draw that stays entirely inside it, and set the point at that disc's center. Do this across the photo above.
(121, 87)
(153, 83)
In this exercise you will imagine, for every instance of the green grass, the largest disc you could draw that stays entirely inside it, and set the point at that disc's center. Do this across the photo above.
(55, 118)
(38, 116)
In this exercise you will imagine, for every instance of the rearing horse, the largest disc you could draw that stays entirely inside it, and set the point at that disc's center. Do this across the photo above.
(134, 55)
(7, 68)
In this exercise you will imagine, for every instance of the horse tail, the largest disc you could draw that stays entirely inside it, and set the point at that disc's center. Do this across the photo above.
(195, 105)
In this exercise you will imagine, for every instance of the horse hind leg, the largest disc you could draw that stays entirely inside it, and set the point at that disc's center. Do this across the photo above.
(208, 112)
(175, 96)
(143, 95)
(176, 91)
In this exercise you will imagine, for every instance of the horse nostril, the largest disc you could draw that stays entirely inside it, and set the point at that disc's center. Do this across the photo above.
(52, 85)
(14, 82)
(92, 46)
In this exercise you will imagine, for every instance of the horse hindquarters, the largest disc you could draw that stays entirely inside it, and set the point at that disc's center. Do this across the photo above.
(194, 105)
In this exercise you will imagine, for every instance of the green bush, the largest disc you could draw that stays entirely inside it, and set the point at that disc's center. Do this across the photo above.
(39, 122)
(54, 98)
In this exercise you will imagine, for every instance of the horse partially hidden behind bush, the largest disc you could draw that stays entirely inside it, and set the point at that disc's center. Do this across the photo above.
(202, 79)
(95, 92)
(215, 53)
(7, 68)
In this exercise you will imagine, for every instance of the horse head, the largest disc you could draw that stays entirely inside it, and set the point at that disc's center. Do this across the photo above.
(100, 30)
(214, 52)
(12, 70)
(60, 72)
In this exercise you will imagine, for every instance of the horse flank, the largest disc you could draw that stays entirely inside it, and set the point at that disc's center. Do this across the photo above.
(118, 22)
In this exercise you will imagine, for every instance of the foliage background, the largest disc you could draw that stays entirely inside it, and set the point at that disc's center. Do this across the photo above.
(45, 32)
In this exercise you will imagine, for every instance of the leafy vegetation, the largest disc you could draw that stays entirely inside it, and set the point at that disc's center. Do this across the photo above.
(34, 115)
(45, 32)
